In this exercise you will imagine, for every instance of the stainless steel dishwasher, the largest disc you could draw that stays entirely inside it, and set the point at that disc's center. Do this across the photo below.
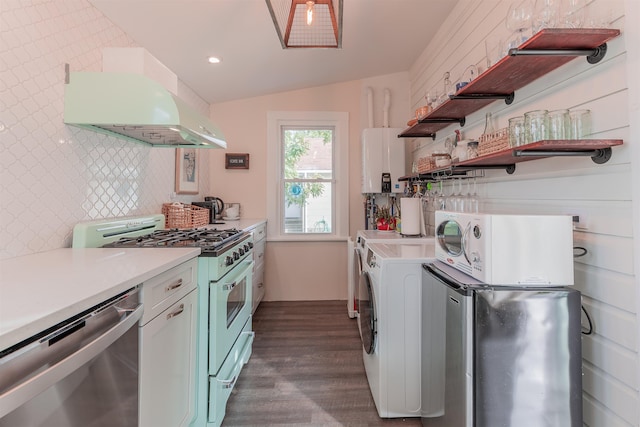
(80, 372)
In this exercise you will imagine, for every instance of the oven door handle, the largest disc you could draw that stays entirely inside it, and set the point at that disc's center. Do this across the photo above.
(229, 286)
(25, 391)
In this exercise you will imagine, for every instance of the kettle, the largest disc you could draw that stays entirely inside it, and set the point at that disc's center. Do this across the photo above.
(217, 206)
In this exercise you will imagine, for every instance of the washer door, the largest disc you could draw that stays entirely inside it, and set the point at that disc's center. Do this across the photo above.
(367, 317)
(355, 276)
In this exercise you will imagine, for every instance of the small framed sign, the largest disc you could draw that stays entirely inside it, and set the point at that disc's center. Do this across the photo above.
(236, 161)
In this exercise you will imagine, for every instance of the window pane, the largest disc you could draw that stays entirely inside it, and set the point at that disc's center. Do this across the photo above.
(307, 207)
(308, 155)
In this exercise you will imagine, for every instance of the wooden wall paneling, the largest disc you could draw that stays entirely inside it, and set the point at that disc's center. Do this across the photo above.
(596, 414)
(613, 324)
(612, 184)
(601, 194)
(605, 286)
(615, 396)
(614, 360)
(609, 252)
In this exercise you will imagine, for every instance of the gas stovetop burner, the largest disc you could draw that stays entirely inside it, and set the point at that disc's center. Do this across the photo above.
(205, 238)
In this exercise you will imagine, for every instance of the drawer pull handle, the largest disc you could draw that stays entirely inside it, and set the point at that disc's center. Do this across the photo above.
(176, 313)
(228, 383)
(174, 285)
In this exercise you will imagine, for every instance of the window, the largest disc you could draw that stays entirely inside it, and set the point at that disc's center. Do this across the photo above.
(307, 175)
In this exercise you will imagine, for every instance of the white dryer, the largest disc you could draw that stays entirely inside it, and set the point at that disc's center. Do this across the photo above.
(356, 258)
(390, 305)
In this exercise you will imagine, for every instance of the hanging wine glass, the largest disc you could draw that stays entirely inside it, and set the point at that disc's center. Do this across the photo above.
(519, 22)
(474, 202)
(468, 197)
(441, 200)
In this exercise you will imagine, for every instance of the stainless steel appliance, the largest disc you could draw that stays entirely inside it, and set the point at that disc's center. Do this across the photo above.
(500, 249)
(499, 355)
(80, 372)
(224, 300)
(215, 206)
(501, 342)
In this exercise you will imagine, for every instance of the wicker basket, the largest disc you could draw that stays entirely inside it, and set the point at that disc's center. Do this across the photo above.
(494, 141)
(178, 215)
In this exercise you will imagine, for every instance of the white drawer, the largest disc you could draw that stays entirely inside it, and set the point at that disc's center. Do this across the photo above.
(260, 232)
(165, 289)
(258, 254)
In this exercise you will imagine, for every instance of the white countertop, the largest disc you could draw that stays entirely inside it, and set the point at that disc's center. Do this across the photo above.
(39, 290)
(240, 224)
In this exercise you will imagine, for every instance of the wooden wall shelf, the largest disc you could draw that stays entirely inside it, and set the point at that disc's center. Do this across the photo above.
(598, 149)
(544, 52)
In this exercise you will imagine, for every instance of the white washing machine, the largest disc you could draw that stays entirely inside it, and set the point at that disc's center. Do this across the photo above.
(389, 318)
(355, 258)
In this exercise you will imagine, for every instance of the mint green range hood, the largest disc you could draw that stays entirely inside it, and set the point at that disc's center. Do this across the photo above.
(136, 108)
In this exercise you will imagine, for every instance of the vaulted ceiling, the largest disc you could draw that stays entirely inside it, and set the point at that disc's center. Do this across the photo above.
(379, 37)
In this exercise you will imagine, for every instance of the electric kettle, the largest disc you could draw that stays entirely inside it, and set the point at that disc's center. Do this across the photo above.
(217, 206)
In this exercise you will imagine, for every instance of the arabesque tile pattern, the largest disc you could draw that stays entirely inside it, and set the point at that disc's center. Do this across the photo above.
(53, 175)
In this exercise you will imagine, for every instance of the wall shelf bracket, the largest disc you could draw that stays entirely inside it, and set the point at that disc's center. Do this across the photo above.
(508, 98)
(599, 155)
(460, 121)
(594, 55)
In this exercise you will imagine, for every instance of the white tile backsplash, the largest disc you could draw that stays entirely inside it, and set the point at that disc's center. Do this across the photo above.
(52, 175)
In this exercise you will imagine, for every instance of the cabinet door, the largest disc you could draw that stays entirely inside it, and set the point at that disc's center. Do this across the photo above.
(168, 366)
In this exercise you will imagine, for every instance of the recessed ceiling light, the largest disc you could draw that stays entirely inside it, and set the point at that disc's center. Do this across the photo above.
(214, 60)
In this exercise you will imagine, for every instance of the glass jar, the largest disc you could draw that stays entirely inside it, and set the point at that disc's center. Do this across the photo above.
(536, 126)
(516, 131)
(472, 149)
(580, 123)
(559, 124)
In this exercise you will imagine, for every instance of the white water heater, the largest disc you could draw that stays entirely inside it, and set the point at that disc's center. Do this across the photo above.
(383, 160)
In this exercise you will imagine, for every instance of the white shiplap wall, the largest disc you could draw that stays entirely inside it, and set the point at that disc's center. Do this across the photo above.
(602, 195)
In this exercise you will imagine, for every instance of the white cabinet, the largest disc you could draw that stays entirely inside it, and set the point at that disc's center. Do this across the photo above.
(259, 245)
(168, 347)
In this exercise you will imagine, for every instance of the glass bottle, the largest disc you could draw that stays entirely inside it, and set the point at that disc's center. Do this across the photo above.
(488, 125)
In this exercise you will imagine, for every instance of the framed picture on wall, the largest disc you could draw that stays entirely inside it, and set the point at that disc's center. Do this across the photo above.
(236, 161)
(186, 171)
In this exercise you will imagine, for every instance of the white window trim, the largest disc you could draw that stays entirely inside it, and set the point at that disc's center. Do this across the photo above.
(340, 121)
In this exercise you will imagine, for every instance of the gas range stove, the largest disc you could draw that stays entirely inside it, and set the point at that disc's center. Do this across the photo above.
(224, 248)
(213, 242)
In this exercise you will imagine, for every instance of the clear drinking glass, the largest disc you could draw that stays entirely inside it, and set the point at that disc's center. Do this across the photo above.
(518, 21)
(559, 124)
(494, 47)
(572, 13)
(516, 131)
(580, 123)
(536, 126)
(545, 14)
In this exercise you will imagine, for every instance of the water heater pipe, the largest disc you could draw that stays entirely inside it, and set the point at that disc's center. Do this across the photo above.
(387, 104)
(370, 106)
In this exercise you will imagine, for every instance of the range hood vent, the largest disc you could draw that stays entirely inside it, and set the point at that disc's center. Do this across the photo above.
(136, 108)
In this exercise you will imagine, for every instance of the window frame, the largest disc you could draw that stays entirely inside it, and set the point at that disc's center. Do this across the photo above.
(276, 121)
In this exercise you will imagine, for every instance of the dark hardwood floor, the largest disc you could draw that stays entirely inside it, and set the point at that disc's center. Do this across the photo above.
(306, 370)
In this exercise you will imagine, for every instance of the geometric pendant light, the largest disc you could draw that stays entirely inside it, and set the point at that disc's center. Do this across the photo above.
(307, 23)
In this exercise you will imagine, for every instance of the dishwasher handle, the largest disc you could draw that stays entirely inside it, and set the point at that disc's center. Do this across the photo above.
(22, 392)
